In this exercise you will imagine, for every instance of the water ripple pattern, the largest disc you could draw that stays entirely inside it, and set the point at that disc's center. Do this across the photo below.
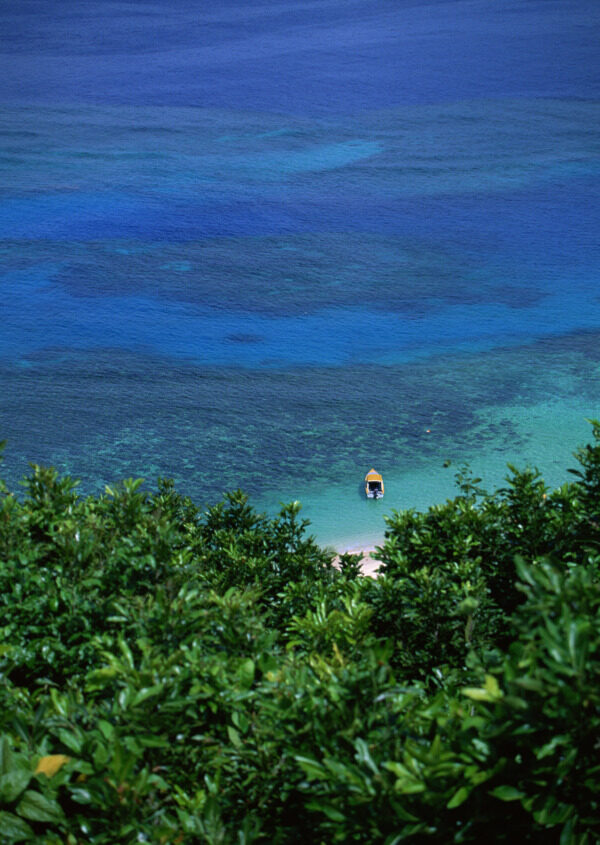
(275, 244)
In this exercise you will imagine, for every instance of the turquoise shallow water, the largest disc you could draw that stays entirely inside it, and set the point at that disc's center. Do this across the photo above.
(543, 436)
(271, 250)
(307, 434)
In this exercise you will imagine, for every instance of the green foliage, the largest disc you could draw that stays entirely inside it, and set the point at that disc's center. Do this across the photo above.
(543, 724)
(176, 676)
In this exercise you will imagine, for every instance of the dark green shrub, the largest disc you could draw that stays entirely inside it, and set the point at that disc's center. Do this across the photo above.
(177, 676)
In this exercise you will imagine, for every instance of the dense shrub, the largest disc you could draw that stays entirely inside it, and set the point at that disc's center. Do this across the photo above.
(178, 676)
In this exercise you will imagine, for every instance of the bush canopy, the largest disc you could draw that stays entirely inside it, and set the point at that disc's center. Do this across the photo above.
(177, 675)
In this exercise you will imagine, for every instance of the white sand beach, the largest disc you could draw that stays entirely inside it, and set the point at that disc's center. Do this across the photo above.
(369, 563)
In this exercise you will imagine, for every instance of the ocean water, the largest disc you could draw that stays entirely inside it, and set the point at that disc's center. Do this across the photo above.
(270, 245)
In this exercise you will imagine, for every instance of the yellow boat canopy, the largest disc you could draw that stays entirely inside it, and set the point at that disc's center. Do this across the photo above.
(373, 476)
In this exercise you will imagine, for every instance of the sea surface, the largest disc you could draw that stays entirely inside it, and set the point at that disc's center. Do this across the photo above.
(271, 245)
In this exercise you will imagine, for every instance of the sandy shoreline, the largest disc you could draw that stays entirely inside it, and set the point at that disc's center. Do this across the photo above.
(369, 564)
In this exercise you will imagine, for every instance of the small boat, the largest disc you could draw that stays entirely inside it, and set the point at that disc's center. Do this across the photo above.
(374, 485)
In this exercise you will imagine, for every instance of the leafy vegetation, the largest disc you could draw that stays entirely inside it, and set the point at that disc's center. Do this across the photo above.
(177, 676)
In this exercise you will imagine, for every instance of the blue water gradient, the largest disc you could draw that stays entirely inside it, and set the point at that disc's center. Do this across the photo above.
(39, 314)
(256, 239)
(316, 57)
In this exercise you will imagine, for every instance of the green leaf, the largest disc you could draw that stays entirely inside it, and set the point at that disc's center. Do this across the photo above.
(234, 737)
(13, 783)
(153, 742)
(552, 812)
(492, 686)
(406, 782)
(312, 768)
(147, 692)
(363, 755)
(5, 756)
(550, 747)
(401, 813)
(489, 692)
(100, 756)
(14, 829)
(73, 742)
(397, 769)
(409, 786)
(81, 794)
(331, 812)
(240, 721)
(37, 808)
(126, 652)
(246, 673)
(106, 728)
(507, 793)
(529, 684)
(567, 836)
(60, 702)
(459, 797)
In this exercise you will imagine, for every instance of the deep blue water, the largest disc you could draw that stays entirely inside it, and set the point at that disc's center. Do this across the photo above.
(249, 241)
